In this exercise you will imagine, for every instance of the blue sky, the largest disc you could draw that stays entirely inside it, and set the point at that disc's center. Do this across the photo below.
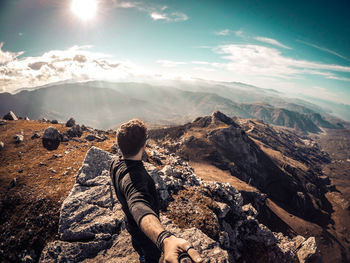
(297, 47)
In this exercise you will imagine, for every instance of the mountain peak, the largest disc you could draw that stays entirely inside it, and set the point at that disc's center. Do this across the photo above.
(218, 116)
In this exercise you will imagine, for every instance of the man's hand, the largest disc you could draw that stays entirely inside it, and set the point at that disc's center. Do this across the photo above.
(174, 246)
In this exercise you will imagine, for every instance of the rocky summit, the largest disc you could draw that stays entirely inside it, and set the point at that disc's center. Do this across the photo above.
(92, 227)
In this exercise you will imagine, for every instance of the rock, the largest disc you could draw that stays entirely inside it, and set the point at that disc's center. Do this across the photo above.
(91, 225)
(160, 184)
(18, 138)
(2, 122)
(2, 145)
(70, 122)
(249, 210)
(299, 240)
(54, 122)
(65, 138)
(218, 116)
(26, 119)
(92, 137)
(51, 138)
(75, 131)
(223, 209)
(308, 251)
(44, 120)
(13, 183)
(91, 211)
(36, 135)
(10, 116)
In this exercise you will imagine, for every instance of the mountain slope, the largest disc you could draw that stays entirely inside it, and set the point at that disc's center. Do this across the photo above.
(105, 104)
(293, 194)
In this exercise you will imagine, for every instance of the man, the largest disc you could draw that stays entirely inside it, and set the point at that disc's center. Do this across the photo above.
(137, 194)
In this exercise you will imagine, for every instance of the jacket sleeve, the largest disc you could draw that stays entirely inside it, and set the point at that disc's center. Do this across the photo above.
(137, 196)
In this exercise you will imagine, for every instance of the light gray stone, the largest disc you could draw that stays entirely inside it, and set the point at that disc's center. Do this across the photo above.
(308, 251)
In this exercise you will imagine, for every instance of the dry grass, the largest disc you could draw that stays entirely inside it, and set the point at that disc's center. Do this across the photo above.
(210, 172)
(192, 209)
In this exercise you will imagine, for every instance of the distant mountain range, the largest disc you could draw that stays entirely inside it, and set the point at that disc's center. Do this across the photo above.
(106, 104)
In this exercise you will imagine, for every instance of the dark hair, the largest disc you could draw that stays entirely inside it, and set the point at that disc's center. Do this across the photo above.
(131, 137)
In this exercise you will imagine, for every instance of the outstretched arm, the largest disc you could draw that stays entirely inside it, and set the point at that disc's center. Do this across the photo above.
(172, 245)
(139, 202)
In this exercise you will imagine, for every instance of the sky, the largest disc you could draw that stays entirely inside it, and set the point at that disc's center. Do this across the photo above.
(296, 47)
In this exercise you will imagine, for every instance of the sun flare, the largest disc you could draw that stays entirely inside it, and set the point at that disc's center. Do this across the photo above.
(84, 9)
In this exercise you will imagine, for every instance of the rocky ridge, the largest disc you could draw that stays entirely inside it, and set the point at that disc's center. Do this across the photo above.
(92, 229)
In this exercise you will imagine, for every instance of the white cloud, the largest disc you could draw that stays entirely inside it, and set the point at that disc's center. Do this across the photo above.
(158, 16)
(226, 32)
(7, 56)
(76, 63)
(155, 12)
(272, 42)
(170, 63)
(263, 61)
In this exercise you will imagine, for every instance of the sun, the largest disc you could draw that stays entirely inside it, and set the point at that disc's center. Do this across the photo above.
(84, 9)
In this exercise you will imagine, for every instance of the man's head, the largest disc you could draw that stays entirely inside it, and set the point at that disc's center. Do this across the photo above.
(131, 137)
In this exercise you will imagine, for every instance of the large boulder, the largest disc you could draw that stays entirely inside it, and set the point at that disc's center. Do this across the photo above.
(70, 122)
(51, 138)
(10, 116)
(75, 131)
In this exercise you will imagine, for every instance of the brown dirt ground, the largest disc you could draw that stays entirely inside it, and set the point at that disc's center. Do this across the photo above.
(29, 211)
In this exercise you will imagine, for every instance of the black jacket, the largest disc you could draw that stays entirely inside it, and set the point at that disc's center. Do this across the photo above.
(135, 190)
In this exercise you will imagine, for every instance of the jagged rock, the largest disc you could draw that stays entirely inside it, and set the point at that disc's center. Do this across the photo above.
(299, 240)
(54, 122)
(70, 122)
(60, 251)
(90, 211)
(308, 251)
(218, 116)
(36, 135)
(209, 249)
(223, 209)
(249, 210)
(91, 220)
(26, 119)
(18, 138)
(2, 145)
(51, 138)
(75, 131)
(10, 116)
(44, 120)
(160, 184)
